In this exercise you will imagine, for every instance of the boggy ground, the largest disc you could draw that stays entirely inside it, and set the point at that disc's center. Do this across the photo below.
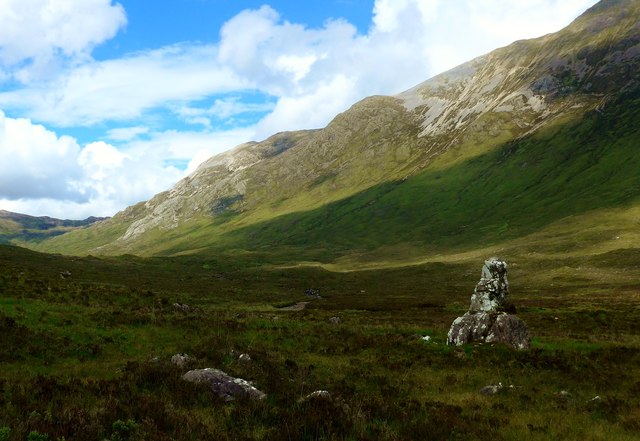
(78, 354)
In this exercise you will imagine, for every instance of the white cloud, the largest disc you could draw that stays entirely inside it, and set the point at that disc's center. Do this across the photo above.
(296, 65)
(389, 15)
(126, 133)
(311, 109)
(35, 163)
(123, 89)
(100, 159)
(523, 19)
(180, 145)
(37, 31)
(227, 109)
(37, 167)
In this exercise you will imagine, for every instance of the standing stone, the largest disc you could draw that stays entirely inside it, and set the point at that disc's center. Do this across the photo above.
(492, 290)
(486, 320)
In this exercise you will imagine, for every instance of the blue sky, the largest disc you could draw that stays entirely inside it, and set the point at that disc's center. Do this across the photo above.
(171, 21)
(105, 103)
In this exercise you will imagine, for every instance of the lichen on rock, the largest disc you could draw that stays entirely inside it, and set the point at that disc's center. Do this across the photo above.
(225, 386)
(486, 320)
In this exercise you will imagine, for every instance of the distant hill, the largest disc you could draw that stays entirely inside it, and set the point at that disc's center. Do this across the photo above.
(533, 147)
(19, 228)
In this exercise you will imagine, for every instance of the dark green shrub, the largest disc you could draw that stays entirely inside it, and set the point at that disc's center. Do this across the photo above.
(122, 430)
(37, 436)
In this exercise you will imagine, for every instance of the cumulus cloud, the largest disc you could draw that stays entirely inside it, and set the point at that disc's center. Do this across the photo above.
(311, 109)
(42, 171)
(182, 145)
(34, 32)
(35, 163)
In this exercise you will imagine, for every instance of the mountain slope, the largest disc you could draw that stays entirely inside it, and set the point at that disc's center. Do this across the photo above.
(15, 227)
(497, 148)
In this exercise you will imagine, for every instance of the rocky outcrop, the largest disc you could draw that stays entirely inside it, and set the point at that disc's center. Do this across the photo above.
(225, 386)
(490, 327)
(486, 321)
(490, 294)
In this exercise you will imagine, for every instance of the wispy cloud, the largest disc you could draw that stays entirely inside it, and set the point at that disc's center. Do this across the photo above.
(126, 133)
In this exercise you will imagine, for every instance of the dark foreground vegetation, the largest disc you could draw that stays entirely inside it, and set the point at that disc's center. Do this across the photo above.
(85, 355)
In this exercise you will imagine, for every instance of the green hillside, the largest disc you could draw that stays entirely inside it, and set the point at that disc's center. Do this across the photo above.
(21, 228)
(570, 168)
(579, 166)
(505, 151)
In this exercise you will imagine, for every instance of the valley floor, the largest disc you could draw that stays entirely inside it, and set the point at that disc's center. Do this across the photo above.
(86, 343)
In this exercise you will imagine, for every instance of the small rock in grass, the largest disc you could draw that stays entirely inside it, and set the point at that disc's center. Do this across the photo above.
(335, 320)
(225, 386)
(312, 292)
(183, 307)
(491, 389)
(180, 360)
(317, 395)
(244, 358)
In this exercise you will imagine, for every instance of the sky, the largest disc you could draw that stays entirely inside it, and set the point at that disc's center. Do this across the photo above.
(105, 103)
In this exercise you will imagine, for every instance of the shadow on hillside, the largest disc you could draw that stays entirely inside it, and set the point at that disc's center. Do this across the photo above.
(509, 192)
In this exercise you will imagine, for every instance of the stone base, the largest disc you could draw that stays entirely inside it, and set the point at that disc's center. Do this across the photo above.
(489, 327)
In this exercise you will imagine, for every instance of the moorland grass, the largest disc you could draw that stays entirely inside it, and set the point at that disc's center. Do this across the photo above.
(84, 355)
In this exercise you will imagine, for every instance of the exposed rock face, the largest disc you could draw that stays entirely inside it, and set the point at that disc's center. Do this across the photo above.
(486, 321)
(492, 290)
(225, 386)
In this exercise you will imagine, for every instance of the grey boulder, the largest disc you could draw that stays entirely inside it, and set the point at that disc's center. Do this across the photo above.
(225, 386)
(489, 328)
